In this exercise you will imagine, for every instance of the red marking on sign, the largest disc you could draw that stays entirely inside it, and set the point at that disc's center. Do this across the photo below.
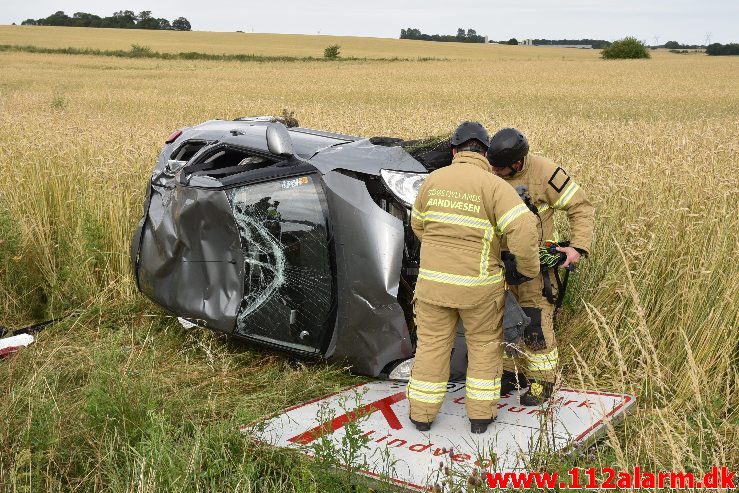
(626, 400)
(9, 350)
(383, 405)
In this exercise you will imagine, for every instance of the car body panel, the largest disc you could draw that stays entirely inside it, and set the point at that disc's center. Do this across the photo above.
(296, 254)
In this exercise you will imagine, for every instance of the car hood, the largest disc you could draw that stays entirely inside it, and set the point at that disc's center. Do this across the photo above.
(363, 156)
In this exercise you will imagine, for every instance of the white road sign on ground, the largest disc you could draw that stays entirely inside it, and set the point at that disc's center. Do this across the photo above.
(396, 452)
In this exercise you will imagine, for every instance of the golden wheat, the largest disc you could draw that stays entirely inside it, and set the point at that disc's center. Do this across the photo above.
(653, 142)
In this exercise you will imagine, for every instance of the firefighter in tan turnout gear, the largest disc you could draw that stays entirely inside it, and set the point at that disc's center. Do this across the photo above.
(545, 187)
(459, 214)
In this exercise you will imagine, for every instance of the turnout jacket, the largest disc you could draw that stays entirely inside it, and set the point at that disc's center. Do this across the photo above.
(459, 215)
(550, 188)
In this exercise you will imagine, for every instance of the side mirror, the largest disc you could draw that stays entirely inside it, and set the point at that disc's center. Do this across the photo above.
(278, 140)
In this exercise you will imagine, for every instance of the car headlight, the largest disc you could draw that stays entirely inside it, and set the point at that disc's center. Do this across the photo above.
(403, 185)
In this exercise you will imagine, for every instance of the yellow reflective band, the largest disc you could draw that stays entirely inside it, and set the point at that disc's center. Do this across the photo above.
(511, 216)
(482, 396)
(543, 208)
(425, 398)
(480, 383)
(484, 278)
(429, 392)
(485, 255)
(422, 384)
(543, 362)
(457, 219)
(566, 195)
(543, 365)
(554, 353)
(482, 390)
(458, 280)
(416, 214)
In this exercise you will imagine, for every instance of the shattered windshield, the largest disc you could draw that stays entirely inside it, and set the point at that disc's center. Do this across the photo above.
(288, 282)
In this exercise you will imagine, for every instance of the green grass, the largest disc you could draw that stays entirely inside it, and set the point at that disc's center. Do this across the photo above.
(92, 407)
(139, 51)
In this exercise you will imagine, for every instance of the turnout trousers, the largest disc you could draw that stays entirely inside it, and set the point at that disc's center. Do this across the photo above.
(436, 328)
(537, 364)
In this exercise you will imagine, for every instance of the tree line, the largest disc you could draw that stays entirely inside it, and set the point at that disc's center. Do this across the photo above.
(718, 49)
(597, 44)
(468, 36)
(123, 19)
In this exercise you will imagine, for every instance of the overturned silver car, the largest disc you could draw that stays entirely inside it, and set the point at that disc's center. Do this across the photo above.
(290, 238)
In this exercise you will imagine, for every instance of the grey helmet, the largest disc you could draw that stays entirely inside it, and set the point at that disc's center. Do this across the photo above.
(470, 130)
(507, 147)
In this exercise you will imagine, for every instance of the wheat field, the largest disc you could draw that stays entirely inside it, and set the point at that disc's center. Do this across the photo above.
(119, 398)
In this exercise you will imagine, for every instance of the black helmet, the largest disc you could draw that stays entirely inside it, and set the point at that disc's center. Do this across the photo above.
(470, 130)
(507, 147)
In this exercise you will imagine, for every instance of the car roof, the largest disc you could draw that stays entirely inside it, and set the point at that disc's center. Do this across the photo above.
(306, 142)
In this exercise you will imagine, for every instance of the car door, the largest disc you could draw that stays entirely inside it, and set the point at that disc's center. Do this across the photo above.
(289, 266)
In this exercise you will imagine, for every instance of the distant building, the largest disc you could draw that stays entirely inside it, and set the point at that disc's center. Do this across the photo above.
(527, 42)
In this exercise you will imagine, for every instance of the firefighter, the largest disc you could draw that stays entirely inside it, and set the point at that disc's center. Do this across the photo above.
(545, 187)
(459, 214)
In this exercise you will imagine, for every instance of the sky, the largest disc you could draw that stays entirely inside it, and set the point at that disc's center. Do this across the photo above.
(656, 22)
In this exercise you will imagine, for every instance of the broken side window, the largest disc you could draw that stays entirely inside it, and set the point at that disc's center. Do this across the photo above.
(187, 150)
(288, 282)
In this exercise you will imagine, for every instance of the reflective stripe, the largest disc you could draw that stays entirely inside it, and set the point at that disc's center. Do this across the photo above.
(485, 255)
(429, 392)
(542, 208)
(510, 216)
(566, 195)
(482, 383)
(483, 390)
(542, 362)
(457, 219)
(458, 280)
(483, 278)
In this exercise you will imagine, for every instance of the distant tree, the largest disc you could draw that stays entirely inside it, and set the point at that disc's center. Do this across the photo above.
(14, 24)
(513, 41)
(145, 21)
(469, 36)
(181, 24)
(332, 52)
(124, 19)
(58, 18)
(629, 47)
(717, 49)
(83, 19)
(673, 45)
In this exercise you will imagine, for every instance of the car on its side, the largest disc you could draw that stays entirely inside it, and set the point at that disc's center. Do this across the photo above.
(290, 238)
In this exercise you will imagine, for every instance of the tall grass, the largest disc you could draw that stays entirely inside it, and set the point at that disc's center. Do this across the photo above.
(118, 397)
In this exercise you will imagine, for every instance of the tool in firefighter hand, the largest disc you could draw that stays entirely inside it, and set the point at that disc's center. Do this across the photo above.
(552, 259)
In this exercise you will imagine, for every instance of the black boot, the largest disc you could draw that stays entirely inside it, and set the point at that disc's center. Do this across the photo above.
(511, 381)
(421, 426)
(537, 394)
(480, 425)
